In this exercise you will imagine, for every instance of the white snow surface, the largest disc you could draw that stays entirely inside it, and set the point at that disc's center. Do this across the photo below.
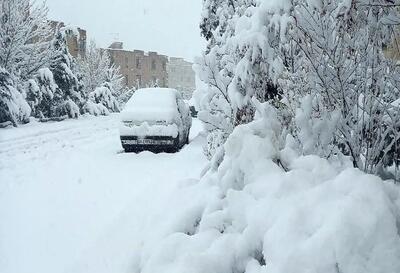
(71, 201)
(152, 104)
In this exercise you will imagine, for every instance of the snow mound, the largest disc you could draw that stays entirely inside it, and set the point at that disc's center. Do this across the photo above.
(249, 215)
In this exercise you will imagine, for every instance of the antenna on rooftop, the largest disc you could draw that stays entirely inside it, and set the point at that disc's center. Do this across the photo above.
(115, 36)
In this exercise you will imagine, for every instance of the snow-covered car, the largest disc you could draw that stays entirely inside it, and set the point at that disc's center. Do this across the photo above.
(155, 119)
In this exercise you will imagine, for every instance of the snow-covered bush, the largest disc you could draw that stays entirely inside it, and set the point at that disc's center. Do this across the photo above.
(351, 84)
(67, 109)
(13, 106)
(95, 109)
(242, 58)
(216, 113)
(249, 215)
(320, 62)
(40, 93)
(214, 105)
(102, 101)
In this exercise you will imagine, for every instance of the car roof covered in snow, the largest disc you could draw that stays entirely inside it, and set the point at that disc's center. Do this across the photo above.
(151, 104)
(153, 97)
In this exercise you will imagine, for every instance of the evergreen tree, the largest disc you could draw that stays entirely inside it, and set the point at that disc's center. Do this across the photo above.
(40, 93)
(68, 96)
(102, 101)
(13, 107)
(25, 48)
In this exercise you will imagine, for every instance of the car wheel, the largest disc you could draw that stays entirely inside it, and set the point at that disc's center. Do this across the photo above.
(177, 144)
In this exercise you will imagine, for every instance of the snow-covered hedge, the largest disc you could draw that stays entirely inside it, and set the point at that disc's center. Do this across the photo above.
(95, 109)
(68, 109)
(247, 214)
(13, 106)
(101, 101)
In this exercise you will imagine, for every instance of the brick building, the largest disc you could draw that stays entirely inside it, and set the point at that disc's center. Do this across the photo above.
(139, 68)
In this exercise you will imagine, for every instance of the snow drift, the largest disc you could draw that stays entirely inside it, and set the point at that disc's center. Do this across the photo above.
(249, 215)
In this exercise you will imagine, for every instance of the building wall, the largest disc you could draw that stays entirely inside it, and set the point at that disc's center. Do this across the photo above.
(76, 45)
(140, 69)
(181, 76)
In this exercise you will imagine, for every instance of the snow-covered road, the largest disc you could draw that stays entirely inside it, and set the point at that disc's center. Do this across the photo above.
(71, 201)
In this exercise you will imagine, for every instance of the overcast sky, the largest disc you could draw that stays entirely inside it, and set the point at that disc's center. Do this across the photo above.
(170, 27)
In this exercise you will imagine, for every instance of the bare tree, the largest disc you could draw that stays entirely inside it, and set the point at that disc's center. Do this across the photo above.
(25, 36)
(350, 83)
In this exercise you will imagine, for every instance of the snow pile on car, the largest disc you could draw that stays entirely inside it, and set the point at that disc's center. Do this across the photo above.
(145, 129)
(152, 104)
(249, 215)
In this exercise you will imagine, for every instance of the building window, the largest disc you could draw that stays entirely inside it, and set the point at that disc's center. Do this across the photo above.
(138, 63)
(153, 65)
(126, 62)
(164, 66)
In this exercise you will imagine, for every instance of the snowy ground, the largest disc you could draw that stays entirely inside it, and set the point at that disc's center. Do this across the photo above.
(71, 201)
